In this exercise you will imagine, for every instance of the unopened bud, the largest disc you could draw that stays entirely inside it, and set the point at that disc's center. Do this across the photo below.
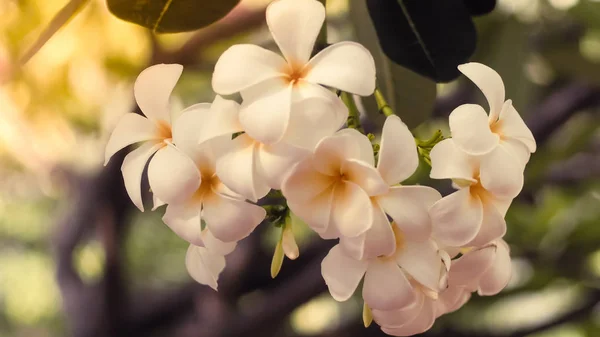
(277, 260)
(290, 248)
(367, 315)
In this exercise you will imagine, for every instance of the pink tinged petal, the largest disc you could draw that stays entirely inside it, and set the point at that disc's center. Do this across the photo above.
(421, 323)
(266, 119)
(184, 220)
(471, 131)
(204, 266)
(347, 66)
(316, 212)
(398, 157)
(332, 151)
(400, 317)
(467, 270)
(187, 125)
(489, 82)
(342, 273)
(172, 175)
(493, 226)
(152, 90)
(502, 205)
(512, 126)
(451, 300)
(421, 261)
(409, 207)
(275, 161)
(132, 169)
(245, 65)
(449, 162)
(386, 287)
(517, 149)
(365, 176)
(295, 25)
(362, 143)
(352, 212)
(457, 218)
(377, 241)
(230, 219)
(130, 129)
(222, 119)
(304, 182)
(314, 119)
(355, 246)
(501, 174)
(498, 275)
(215, 245)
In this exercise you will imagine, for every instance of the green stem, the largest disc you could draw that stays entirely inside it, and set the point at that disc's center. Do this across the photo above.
(353, 114)
(382, 105)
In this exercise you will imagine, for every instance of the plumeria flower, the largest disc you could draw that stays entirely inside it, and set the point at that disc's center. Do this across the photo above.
(271, 85)
(390, 282)
(486, 269)
(152, 91)
(408, 206)
(203, 197)
(204, 264)
(478, 133)
(473, 215)
(250, 167)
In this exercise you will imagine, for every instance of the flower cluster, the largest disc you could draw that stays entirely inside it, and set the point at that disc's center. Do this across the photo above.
(420, 255)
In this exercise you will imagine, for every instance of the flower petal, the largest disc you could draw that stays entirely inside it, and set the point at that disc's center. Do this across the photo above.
(331, 151)
(365, 176)
(186, 126)
(386, 287)
(295, 25)
(398, 157)
(342, 273)
(451, 299)
(275, 161)
(362, 143)
(501, 174)
(266, 118)
(172, 175)
(493, 226)
(133, 168)
(421, 323)
(456, 218)
(398, 318)
(229, 219)
(131, 128)
(489, 82)
(304, 182)
(449, 162)
(215, 245)
(409, 207)
(245, 65)
(156, 203)
(467, 270)
(222, 119)
(352, 213)
(152, 90)
(184, 220)
(421, 261)
(204, 266)
(471, 131)
(511, 125)
(347, 66)
(377, 241)
(498, 275)
(518, 149)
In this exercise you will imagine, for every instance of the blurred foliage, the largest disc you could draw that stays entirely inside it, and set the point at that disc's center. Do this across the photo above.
(56, 113)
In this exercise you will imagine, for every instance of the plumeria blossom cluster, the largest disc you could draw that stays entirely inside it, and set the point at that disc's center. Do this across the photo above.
(419, 255)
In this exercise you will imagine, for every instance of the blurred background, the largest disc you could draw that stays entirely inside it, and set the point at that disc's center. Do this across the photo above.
(77, 259)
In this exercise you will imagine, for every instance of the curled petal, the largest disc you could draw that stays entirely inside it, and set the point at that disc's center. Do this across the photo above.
(365, 176)
(449, 162)
(132, 169)
(409, 207)
(295, 25)
(342, 273)
(451, 299)
(398, 318)
(347, 66)
(518, 149)
(489, 82)
(173, 176)
(493, 226)
(467, 270)
(204, 266)
(230, 219)
(398, 157)
(501, 174)
(184, 220)
(498, 275)
(421, 323)
(386, 287)
(245, 65)
(266, 118)
(130, 129)
(186, 126)
(152, 90)
(421, 261)
(471, 131)
(352, 213)
(511, 125)
(223, 119)
(457, 218)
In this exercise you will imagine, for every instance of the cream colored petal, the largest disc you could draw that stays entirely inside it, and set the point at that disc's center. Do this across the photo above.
(352, 212)
(203, 266)
(229, 219)
(342, 273)
(421, 261)
(489, 82)
(152, 90)
(386, 287)
(184, 220)
(275, 161)
(130, 129)
(498, 275)
(456, 218)
(493, 226)
(365, 176)
(501, 173)
(172, 175)
(133, 168)
(398, 157)
(471, 131)
(266, 119)
(512, 126)
(449, 162)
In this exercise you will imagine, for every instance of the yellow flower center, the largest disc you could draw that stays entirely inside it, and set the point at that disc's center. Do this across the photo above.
(295, 73)
(164, 131)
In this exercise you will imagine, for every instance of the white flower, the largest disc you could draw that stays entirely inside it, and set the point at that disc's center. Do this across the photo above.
(407, 205)
(271, 85)
(390, 282)
(152, 91)
(479, 134)
(473, 215)
(204, 264)
(204, 197)
(250, 167)
(486, 270)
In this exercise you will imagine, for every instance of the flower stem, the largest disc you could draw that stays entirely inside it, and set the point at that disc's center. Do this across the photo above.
(382, 104)
(353, 114)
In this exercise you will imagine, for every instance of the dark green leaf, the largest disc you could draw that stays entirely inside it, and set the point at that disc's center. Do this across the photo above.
(480, 7)
(429, 37)
(171, 16)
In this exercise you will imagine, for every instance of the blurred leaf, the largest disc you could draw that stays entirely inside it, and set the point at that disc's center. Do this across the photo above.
(479, 7)
(410, 95)
(567, 60)
(587, 12)
(430, 37)
(61, 18)
(171, 16)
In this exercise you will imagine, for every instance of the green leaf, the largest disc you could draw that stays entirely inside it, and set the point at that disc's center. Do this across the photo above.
(171, 16)
(410, 95)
